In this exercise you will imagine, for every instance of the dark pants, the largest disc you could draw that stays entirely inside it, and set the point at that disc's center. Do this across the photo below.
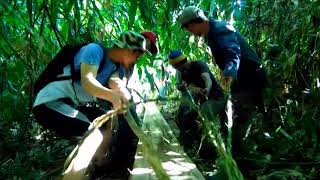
(247, 98)
(247, 90)
(124, 141)
(191, 128)
(122, 152)
(65, 126)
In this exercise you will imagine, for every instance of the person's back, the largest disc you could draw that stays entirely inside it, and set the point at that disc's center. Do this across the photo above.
(221, 35)
(191, 75)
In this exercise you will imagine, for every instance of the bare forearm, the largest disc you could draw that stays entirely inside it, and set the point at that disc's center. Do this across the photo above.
(96, 89)
(207, 80)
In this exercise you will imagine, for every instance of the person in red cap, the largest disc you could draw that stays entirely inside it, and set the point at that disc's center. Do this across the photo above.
(151, 40)
(151, 46)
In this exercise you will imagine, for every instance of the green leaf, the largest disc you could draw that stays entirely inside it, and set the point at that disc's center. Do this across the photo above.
(150, 78)
(29, 7)
(292, 60)
(212, 7)
(132, 13)
(65, 30)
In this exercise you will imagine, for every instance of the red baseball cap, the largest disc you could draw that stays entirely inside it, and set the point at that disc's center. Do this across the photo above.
(153, 38)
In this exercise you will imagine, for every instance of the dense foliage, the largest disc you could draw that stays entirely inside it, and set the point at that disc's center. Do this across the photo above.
(285, 34)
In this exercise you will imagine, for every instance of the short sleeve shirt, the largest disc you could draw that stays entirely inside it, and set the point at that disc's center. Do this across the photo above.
(193, 76)
(91, 54)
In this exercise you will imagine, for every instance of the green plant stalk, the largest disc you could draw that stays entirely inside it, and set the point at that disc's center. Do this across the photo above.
(149, 153)
(53, 26)
(212, 131)
(230, 165)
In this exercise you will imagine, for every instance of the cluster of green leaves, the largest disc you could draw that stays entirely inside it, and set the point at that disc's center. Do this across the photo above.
(284, 35)
(287, 39)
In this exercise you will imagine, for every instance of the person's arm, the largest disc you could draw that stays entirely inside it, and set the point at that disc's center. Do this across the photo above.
(95, 88)
(208, 83)
(203, 68)
(230, 50)
(90, 57)
(180, 84)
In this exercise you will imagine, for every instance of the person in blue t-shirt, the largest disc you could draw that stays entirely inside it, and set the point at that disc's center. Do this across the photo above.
(122, 153)
(62, 106)
(65, 107)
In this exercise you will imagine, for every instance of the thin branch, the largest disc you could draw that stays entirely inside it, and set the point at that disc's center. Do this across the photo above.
(304, 80)
(53, 27)
(13, 50)
(39, 13)
(97, 11)
(77, 19)
(42, 23)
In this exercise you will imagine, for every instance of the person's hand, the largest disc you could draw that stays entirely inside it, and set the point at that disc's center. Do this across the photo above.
(194, 89)
(125, 94)
(226, 82)
(200, 93)
(120, 93)
(116, 100)
(184, 84)
(205, 92)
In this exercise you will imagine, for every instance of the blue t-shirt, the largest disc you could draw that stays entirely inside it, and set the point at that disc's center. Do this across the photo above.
(93, 54)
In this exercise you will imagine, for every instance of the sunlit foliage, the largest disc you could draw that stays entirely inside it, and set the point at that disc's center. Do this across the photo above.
(285, 33)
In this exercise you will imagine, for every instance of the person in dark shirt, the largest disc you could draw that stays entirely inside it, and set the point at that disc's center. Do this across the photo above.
(196, 83)
(241, 69)
(195, 75)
